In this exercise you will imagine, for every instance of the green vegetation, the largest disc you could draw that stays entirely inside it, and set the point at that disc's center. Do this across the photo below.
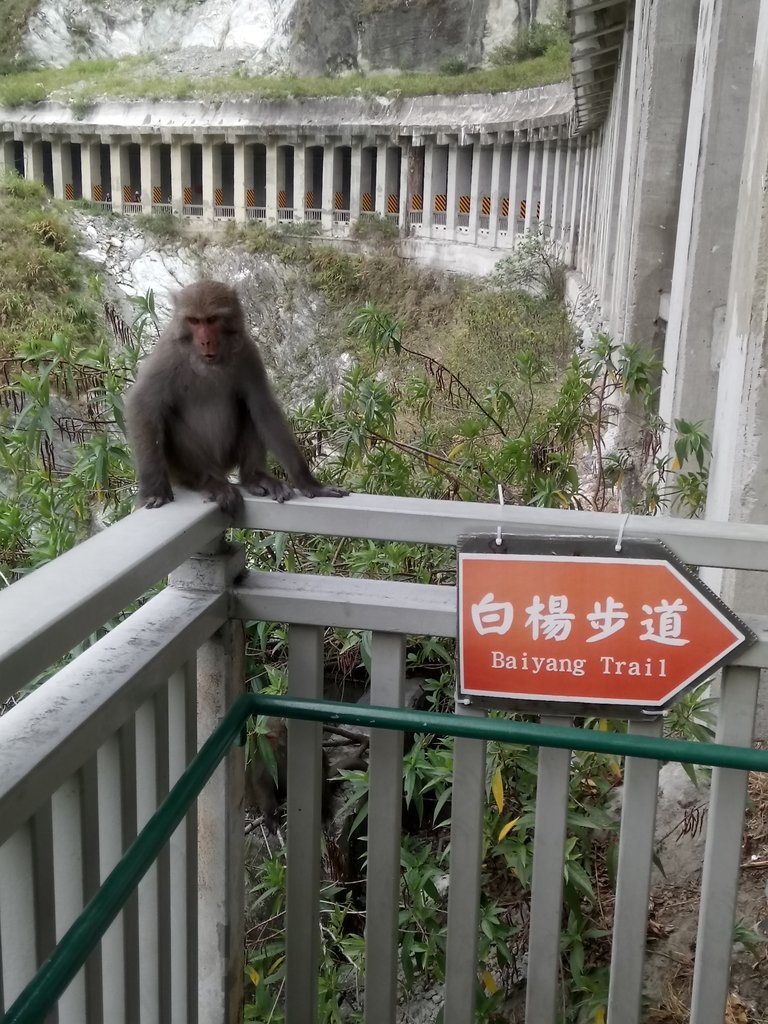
(456, 389)
(84, 82)
(44, 292)
(15, 15)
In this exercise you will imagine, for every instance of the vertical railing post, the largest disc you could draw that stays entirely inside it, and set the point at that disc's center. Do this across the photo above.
(220, 847)
(385, 805)
(722, 853)
(302, 905)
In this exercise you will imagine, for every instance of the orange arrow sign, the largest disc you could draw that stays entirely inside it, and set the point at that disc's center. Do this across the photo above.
(587, 628)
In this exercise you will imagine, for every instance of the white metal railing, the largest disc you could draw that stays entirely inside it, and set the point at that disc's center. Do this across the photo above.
(223, 212)
(162, 208)
(462, 221)
(393, 217)
(285, 215)
(313, 214)
(439, 220)
(86, 758)
(104, 204)
(256, 213)
(192, 209)
(415, 217)
(341, 216)
(133, 207)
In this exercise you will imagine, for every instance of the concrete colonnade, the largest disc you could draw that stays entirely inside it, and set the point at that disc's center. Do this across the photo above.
(482, 189)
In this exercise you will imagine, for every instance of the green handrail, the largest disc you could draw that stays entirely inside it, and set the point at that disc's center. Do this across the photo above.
(72, 951)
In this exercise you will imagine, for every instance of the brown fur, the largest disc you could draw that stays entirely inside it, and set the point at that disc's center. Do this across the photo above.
(203, 406)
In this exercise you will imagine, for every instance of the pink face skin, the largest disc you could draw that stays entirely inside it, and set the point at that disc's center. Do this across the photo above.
(206, 335)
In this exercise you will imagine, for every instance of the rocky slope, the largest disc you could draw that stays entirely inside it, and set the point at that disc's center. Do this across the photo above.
(304, 36)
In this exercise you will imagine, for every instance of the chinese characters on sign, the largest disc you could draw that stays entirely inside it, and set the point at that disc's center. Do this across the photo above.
(586, 629)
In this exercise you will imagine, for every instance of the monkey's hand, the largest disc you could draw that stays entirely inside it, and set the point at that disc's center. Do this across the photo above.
(227, 497)
(314, 489)
(263, 485)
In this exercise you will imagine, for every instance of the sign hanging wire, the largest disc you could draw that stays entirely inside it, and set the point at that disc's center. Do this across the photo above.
(498, 528)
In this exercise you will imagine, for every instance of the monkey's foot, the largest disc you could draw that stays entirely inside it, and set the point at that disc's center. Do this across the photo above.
(318, 490)
(157, 500)
(227, 497)
(264, 485)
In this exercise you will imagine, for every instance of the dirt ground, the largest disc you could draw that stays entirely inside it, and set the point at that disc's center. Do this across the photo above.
(675, 907)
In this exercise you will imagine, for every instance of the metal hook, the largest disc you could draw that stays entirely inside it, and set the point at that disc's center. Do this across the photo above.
(620, 538)
(499, 541)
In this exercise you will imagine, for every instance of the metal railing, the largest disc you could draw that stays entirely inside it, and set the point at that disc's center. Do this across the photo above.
(256, 213)
(223, 212)
(285, 214)
(90, 755)
(192, 209)
(133, 207)
(313, 214)
(43, 991)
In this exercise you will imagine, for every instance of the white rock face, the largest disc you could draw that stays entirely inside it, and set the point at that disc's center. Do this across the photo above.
(295, 329)
(61, 30)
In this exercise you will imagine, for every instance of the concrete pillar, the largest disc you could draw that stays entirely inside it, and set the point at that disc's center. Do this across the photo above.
(271, 181)
(147, 177)
(493, 220)
(565, 197)
(664, 41)
(452, 190)
(588, 213)
(618, 120)
(239, 174)
(33, 158)
(329, 154)
(7, 159)
(405, 159)
(299, 180)
(355, 178)
(571, 235)
(514, 187)
(586, 177)
(546, 167)
(380, 199)
(178, 153)
(738, 486)
(90, 167)
(62, 168)
(553, 214)
(209, 178)
(534, 152)
(717, 125)
(474, 195)
(119, 173)
(428, 193)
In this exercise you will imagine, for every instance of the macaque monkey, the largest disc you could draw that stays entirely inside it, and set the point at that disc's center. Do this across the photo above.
(203, 405)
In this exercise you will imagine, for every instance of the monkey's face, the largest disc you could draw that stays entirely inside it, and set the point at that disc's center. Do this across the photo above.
(210, 319)
(206, 337)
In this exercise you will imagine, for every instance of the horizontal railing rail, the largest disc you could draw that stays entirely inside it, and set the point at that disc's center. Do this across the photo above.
(102, 575)
(70, 954)
(45, 614)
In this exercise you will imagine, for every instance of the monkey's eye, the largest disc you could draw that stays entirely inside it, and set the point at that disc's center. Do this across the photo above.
(194, 320)
(211, 319)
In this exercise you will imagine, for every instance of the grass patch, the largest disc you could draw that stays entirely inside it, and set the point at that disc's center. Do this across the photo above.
(44, 288)
(85, 82)
(15, 15)
(477, 326)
